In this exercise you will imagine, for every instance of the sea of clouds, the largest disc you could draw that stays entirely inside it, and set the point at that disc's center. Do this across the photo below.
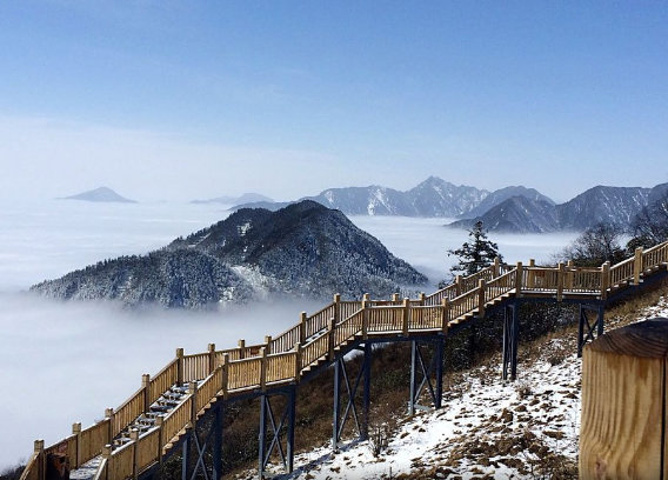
(64, 362)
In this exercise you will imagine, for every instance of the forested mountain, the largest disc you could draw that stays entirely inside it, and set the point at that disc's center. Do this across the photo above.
(517, 215)
(304, 250)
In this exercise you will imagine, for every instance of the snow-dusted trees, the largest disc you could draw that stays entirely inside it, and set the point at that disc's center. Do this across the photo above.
(475, 254)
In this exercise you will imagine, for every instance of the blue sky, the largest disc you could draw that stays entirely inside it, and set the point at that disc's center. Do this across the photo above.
(183, 99)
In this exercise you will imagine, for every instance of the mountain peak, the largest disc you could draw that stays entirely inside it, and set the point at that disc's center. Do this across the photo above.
(100, 194)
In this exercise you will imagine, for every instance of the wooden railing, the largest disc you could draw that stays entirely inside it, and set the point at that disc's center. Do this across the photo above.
(314, 339)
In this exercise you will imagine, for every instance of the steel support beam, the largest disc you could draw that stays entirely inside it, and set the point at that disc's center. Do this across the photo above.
(419, 367)
(341, 378)
(590, 324)
(510, 340)
(285, 424)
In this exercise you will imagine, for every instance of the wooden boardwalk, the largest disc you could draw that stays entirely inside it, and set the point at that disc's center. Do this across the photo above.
(154, 420)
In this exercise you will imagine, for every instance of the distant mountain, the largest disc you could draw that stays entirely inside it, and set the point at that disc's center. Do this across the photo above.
(437, 198)
(271, 206)
(303, 250)
(243, 199)
(517, 214)
(498, 197)
(657, 193)
(432, 198)
(616, 205)
(372, 200)
(101, 194)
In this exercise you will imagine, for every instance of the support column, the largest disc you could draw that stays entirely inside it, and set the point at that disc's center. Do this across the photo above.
(337, 405)
(440, 344)
(510, 340)
(262, 448)
(218, 441)
(292, 401)
(366, 402)
(411, 402)
(586, 329)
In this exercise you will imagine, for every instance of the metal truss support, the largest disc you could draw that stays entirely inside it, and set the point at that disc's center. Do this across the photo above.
(351, 389)
(510, 339)
(285, 424)
(591, 323)
(204, 443)
(420, 368)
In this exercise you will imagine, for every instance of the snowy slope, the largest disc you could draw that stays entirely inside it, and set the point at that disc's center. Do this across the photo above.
(487, 428)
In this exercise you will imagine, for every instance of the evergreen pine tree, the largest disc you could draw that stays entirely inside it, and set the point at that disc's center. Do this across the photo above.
(477, 253)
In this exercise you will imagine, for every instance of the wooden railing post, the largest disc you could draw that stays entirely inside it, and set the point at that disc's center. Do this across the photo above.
(531, 275)
(365, 320)
(161, 440)
(637, 266)
(605, 280)
(38, 449)
(445, 315)
(212, 357)
(302, 328)
(267, 343)
(263, 369)
(330, 339)
(337, 308)
(134, 438)
(192, 391)
(241, 345)
(482, 286)
(179, 366)
(560, 281)
(497, 267)
(106, 455)
(518, 279)
(458, 285)
(405, 316)
(226, 375)
(570, 275)
(109, 416)
(145, 385)
(298, 361)
(395, 298)
(422, 297)
(76, 431)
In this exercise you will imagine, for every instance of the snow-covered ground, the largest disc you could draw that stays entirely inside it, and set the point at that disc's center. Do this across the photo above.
(487, 428)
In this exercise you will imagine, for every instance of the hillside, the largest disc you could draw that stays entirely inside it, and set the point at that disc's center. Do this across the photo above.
(488, 428)
(303, 250)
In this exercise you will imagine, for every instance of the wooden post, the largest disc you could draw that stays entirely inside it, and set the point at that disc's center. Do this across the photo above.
(337, 308)
(179, 366)
(38, 449)
(405, 316)
(192, 391)
(226, 374)
(212, 357)
(76, 431)
(625, 403)
(267, 343)
(146, 386)
(531, 275)
(445, 315)
(395, 298)
(161, 441)
(496, 267)
(109, 417)
(605, 280)
(302, 328)
(458, 285)
(241, 345)
(134, 438)
(560, 281)
(637, 266)
(365, 320)
(106, 455)
(263, 369)
(421, 298)
(482, 286)
(330, 339)
(518, 279)
(570, 275)
(298, 361)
